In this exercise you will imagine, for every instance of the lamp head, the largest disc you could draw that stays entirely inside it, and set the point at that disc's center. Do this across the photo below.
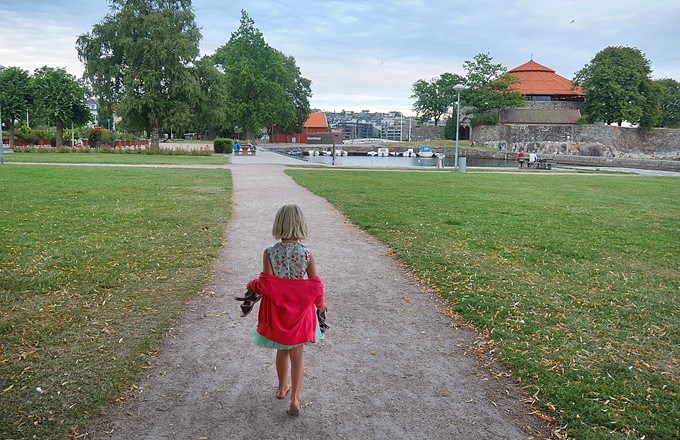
(458, 87)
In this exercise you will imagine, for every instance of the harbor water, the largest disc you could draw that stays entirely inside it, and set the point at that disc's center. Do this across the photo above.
(405, 162)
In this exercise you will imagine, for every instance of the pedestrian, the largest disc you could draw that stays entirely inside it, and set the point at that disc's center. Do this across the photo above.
(287, 319)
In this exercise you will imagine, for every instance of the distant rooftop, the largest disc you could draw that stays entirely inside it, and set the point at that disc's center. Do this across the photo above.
(535, 79)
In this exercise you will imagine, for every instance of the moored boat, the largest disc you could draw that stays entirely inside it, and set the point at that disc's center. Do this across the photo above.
(425, 151)
(383, 152)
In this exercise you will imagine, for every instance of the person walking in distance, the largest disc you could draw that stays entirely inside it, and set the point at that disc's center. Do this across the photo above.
(287, 319)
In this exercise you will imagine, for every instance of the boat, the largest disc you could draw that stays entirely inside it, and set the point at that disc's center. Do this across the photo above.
(383, 152)
(409, 153)
(372, 153)
(425, 151)
(328, 152)
(340, 152)
(295, 153)
(313, 152)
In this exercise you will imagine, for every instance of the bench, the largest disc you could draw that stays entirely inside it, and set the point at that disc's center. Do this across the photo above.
(246, 151)
(540, 164)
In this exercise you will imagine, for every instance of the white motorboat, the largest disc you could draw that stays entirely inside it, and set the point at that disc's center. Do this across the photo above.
(383, 152)
(313, 152)
(339, 152)
(425, 151)
(372, 153)
(409, 153)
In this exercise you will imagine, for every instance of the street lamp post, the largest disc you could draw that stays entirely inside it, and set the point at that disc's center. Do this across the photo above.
(457, 88)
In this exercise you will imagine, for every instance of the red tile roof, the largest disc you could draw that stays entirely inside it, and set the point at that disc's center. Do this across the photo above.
(535, 79)
(316, 120)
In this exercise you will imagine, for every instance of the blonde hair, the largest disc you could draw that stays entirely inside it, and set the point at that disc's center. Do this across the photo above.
(290, 223)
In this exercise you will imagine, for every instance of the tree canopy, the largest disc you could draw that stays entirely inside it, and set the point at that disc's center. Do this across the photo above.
(59, 97)
(670, 103)
(618, 87)
(16, 96)
(141, 59)
(262, 85)
(434, 98)
(488, 86)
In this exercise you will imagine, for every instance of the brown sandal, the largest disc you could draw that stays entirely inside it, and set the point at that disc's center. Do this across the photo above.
(249, 301)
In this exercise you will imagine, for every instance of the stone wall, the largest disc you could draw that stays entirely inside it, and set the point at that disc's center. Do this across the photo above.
(584, 140)
(427, 133)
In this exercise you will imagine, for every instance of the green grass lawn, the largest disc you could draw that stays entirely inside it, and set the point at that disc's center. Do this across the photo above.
(574, 279)
(115, 158)
(95, 266)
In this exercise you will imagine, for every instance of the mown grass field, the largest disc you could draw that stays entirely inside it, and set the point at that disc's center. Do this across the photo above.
(96, 263)
(574, 279)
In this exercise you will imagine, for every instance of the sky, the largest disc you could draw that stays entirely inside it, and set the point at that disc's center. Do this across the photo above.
(366, 54)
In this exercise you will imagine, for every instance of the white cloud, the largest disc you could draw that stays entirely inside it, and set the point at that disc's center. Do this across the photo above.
(367, 53)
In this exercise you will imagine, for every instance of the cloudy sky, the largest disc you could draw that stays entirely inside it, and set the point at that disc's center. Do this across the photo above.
(366, 54)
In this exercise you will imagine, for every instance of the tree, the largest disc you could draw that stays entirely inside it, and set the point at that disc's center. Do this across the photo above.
(263, 86)
(210, 115)
(16, 96)
(670, 103)
(60, 98)
(434, 98)
(618, 87)
(489, 86)
(140, 58)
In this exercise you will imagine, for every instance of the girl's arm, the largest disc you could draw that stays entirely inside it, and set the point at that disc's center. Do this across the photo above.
(266, 264)
(311, 273)
(311, 267)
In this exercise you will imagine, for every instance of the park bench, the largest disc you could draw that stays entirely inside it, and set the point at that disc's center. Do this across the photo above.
(246, 151)
(540, 164)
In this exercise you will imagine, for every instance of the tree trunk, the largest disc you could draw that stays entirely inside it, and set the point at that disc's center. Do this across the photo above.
(250, 135)
(59, 141)
(155, 138)
(11, 133)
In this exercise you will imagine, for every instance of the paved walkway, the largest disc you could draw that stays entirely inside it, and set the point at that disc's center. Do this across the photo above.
(392, 366)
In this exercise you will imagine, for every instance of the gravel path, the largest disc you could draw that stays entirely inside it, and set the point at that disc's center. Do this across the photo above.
(392, 366)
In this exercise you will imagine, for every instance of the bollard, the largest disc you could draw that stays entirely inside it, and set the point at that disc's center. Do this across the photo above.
(462, 164)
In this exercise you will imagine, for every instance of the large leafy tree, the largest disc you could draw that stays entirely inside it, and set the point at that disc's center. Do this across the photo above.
(16, 97)
(433, 98)
(60, 97)
(263, 86)
(670, 103)
(489, 86)
(618, 87)
(212, 117)
(140, 58)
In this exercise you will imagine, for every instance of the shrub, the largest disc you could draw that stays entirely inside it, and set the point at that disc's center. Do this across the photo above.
(490, 118)
(223, 146)
(583, 120)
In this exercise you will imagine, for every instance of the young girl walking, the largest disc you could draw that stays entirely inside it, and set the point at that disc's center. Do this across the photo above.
(287, 320)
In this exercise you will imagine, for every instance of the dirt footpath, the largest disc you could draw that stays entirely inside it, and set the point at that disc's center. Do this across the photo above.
(392, 366)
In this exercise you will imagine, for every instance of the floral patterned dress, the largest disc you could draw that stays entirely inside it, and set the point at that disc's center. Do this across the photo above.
(289, 260)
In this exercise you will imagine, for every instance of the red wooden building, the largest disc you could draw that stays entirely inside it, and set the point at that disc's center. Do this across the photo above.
(316, 123)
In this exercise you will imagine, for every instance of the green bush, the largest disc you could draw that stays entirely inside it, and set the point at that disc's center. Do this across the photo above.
(223, 146)
(583, 120)
(490, 118)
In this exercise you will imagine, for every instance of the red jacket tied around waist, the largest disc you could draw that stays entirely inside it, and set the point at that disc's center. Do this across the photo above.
(287, 314)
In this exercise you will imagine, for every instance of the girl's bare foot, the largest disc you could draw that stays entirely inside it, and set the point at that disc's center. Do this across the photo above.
(280, 394)
(294, 410)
